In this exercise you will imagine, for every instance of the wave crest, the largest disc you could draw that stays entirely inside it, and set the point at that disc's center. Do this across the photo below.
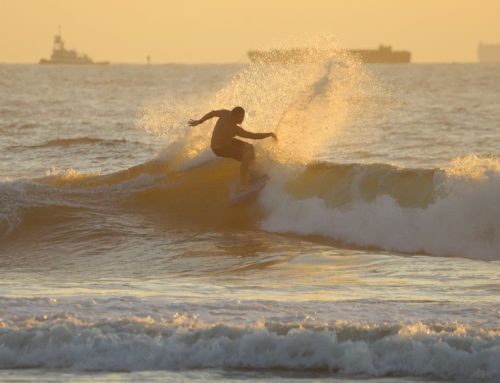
(447, 351)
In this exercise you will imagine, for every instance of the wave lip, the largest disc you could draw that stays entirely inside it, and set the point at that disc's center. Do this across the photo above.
(447, 351)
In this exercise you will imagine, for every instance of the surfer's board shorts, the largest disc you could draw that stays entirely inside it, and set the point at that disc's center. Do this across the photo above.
(236, 149)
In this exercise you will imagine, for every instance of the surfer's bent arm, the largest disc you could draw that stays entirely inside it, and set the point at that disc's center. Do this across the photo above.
(208, 116)
(254, 136)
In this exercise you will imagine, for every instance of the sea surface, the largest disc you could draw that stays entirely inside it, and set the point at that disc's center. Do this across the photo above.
(372, 254)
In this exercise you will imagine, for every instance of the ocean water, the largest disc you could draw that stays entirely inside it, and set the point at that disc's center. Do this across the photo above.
(372, 254)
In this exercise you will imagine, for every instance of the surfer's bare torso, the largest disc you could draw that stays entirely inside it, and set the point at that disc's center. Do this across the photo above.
(225, 129)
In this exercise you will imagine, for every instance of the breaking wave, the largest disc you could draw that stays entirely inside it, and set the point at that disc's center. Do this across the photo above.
(449, 212)
(441, 350)
(444, 212)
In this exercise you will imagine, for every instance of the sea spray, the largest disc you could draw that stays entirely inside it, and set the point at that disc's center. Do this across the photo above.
(306, 103)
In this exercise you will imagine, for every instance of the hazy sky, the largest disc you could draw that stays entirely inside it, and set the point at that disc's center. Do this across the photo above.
(223, 30)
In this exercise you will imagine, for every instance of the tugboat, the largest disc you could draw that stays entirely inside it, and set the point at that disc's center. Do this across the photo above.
(61, 55)
(384, 54)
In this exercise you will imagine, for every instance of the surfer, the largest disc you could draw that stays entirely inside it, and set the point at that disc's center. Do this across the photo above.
(224, 144)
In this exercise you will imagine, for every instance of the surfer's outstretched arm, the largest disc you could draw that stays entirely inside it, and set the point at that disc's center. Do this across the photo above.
(254, 136)
(208, 116)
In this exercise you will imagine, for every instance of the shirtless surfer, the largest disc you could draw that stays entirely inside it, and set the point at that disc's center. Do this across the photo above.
(225, 145)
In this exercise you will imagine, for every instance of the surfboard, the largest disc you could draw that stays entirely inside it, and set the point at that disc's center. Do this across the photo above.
(253, 189)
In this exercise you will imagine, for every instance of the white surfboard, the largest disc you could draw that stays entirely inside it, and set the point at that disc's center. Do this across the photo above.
(253, 189)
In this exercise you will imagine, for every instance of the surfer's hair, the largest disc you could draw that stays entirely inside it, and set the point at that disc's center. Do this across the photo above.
(237, 111)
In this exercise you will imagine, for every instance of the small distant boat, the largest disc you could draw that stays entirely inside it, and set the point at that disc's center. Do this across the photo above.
(384, 54)
(61, 55)
(488, 53)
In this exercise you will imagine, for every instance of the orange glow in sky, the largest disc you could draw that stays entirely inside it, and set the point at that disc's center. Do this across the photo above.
(223, 30)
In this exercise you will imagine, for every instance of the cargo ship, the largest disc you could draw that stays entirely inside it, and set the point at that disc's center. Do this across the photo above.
(61, 55)
(384, 54)
(488, 53)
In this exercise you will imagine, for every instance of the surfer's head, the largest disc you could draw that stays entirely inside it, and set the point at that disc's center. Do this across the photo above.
(238, 114)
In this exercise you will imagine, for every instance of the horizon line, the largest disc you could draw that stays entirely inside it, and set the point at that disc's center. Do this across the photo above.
(214, 63)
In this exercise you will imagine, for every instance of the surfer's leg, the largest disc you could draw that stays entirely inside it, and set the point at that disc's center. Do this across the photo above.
(240, 151)
(247, 162)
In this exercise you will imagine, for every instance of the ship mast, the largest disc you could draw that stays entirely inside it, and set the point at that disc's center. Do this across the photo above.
(58, 41)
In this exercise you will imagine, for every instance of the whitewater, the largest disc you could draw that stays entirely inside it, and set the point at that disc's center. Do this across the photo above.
(372, 254)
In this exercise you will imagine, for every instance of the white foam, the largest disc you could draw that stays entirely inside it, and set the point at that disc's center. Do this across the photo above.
(463, 219)
(448, 351)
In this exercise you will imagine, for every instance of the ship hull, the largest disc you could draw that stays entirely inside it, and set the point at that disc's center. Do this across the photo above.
(52, 62)
(377, 57)
(383, 55)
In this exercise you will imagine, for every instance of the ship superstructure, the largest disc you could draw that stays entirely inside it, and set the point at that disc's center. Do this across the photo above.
(61, 55)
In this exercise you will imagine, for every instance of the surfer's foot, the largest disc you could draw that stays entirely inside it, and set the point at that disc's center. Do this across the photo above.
(242, 188)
